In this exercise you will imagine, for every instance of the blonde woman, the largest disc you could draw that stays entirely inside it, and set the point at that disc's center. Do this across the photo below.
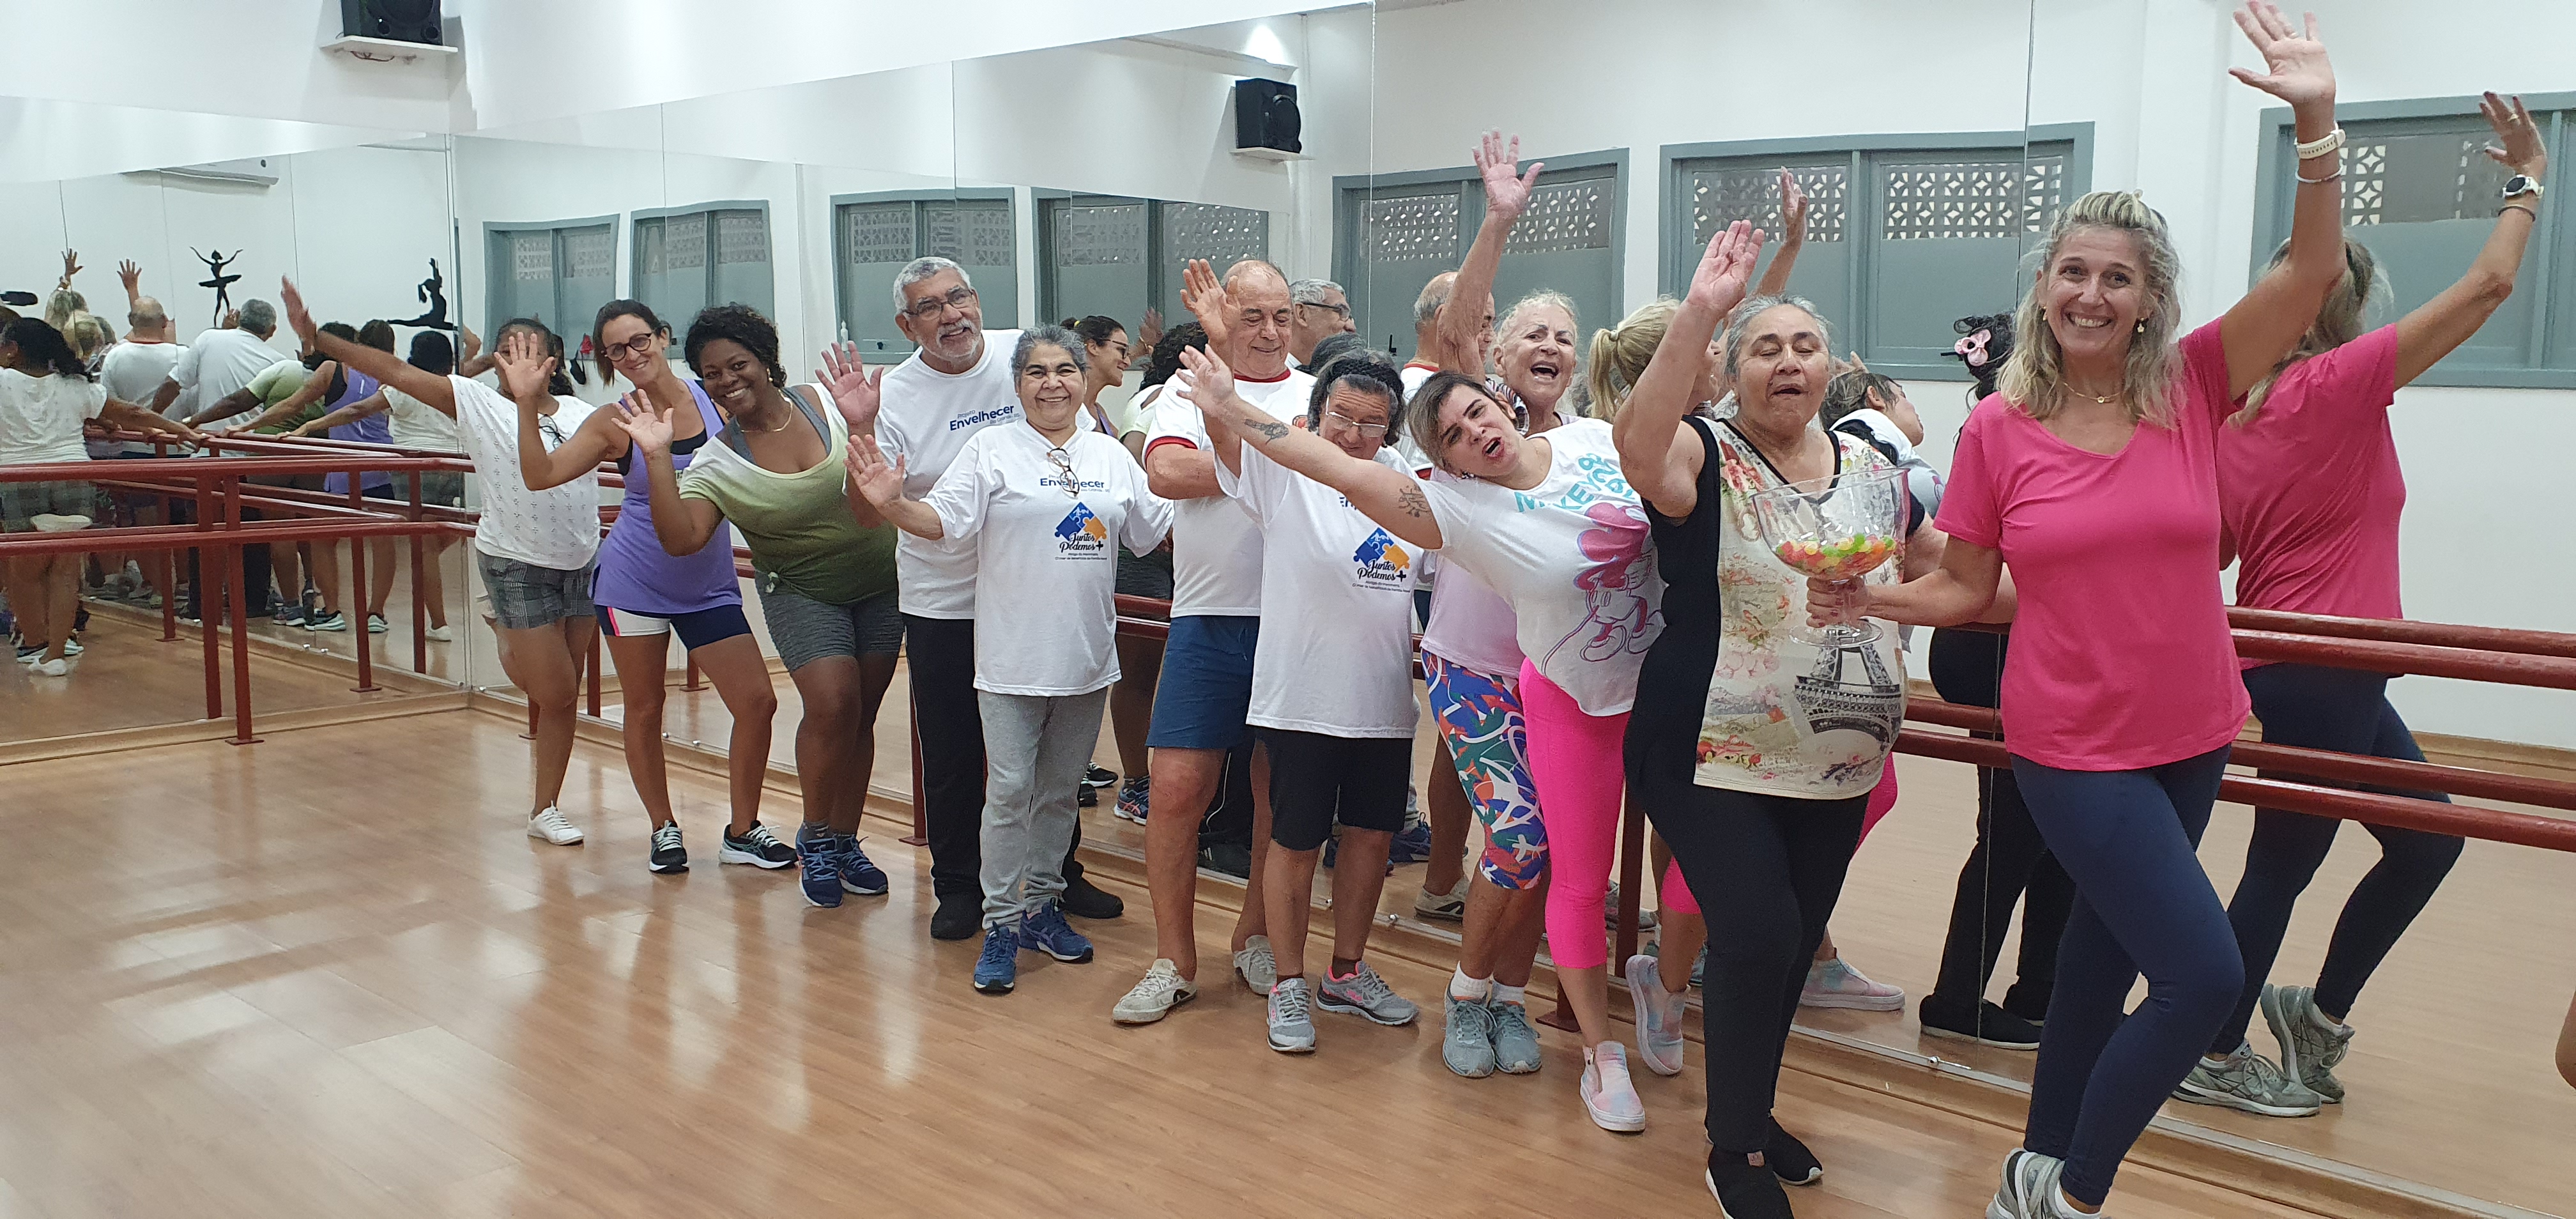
(2093, 473)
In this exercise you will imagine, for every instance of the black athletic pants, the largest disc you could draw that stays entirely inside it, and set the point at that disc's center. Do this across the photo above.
(2008, 866)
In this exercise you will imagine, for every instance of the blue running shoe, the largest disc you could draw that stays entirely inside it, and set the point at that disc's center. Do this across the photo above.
(1413, 845)
(1047, 932)
(818, 852)
(997, 969)
(858, 875)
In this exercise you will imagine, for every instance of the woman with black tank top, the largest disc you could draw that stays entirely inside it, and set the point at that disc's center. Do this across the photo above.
(1760, 798)
(644, 595)
(824, 559)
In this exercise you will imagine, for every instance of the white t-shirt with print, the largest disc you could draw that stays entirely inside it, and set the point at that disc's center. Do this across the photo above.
(1046, 572)
(557, 527)
(1571, 556)
(41, 417)
(1216, 547)
(1336, 650)
(926, 418)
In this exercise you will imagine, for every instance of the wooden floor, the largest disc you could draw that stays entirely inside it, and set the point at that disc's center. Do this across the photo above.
(329, 975)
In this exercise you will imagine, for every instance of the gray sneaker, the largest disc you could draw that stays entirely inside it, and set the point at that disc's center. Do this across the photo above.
(2029, 1189)
(1515, 1042)
(1259, 970)
(1292, 1018)
(1365, 994)
(2309, 1049)
(1467, 1047)
(1659, 1016)
(2247, 1081)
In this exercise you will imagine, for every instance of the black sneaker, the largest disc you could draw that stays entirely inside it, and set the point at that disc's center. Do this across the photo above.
(1228, 858)
(757, 847)
(668, 855)
(1984, 1024)
(1100, 776)
(1086, 796)
(1790, 1160)
(959, 917)
(1745, 1191)
(1083, 899)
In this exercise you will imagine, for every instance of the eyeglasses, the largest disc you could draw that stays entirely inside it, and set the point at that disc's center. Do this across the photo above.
(638, 347)
(1336, 310)
(1063, 463)
(929, 307)
(1371, 430)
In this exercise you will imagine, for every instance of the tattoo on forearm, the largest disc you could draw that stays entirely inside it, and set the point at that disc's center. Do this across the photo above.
(1413, 502)
(1269, 430)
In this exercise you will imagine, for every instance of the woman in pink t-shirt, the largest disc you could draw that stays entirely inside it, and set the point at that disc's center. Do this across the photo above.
(2310, 489)
(2093, 474)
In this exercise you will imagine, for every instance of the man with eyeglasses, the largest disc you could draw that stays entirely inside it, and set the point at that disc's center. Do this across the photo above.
(956, 384)
(1321, 311)
(1204, 696)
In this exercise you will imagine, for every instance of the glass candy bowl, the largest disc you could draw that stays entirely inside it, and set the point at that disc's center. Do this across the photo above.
(1838, 529)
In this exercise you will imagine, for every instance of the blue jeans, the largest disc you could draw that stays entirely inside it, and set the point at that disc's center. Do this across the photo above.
(2142, 902)
(2345, 711)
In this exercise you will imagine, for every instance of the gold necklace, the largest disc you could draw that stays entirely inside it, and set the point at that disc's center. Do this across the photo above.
(2098, 399)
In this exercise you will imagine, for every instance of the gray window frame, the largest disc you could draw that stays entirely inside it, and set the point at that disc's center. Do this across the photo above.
(637, 219)
(1162, 272)
(1000, 301)
(498, 275)
(1677, 254)
(1353, 192)
(2549, 265)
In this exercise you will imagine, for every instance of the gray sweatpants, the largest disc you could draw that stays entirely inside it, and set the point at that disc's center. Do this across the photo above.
(1035, 751)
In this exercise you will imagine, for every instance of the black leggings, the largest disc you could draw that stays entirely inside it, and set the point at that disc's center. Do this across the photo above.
(2337, 709)
(2009, 859)
(1767, 870)
(950, 723)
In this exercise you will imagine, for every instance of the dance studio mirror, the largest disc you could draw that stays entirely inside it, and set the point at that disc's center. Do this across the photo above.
(360, 219)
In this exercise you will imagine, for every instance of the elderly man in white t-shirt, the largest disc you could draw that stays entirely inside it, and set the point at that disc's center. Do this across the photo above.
(219, 364)
(956, 384)
(1319, 310)
(1204, 694)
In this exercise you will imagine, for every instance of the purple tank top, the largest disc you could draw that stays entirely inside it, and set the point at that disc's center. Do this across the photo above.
(374, 429)
(636, 574)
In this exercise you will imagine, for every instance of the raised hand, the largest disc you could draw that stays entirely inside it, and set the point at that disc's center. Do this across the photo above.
(1727, 267)
(298, 318)
(1793, 207)
(131, 276)
(1205, 297)
(1149, 332)
(645, 422)
(2297, 70)
(71, 266)
(1506, 192)
(853, 384)
(1204, 380)
(879, 481)
(526, 366)
(2518, 145)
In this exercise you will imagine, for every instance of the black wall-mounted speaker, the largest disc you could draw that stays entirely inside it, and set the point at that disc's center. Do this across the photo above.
(1265, 117)
(399, 20)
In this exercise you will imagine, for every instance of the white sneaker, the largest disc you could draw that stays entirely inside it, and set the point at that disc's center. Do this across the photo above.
(1153, 998)
(1659, 1016)
(1259, 970)
(1447, 907)
(551, 826)
(1608, 1094)
(439, 634)
(55, 668)
(1836, 984)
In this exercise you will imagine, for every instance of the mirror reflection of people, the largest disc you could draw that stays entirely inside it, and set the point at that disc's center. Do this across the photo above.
(2122, 688)
(2310, 490)
(412, 425)
(1318, 310)
(218, 364)
(1047, 501)
(535, 550)
(1107, 355)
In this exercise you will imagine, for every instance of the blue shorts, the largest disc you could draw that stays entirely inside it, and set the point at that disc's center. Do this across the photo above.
(696, 630)
(1206, 688)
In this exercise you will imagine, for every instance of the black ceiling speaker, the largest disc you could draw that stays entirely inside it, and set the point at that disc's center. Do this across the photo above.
(1265, 119)
(398, 20)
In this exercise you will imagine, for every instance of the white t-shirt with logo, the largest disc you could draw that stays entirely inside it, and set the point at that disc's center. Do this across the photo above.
(1216, 547)
(557, 527)
(926, 418)
(133, 372)
(1336, 650)
(1046, 571)
(1571, 556)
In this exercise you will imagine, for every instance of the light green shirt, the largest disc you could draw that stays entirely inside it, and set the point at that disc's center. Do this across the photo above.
(277, 383)
(798, 526)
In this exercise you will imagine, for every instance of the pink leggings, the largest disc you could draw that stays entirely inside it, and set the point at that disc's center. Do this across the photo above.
(1882, 798)
(1575, 761)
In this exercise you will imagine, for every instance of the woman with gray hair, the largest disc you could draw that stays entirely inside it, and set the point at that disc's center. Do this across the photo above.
(1046, 502)
(1757, 783)
(2093, 472)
